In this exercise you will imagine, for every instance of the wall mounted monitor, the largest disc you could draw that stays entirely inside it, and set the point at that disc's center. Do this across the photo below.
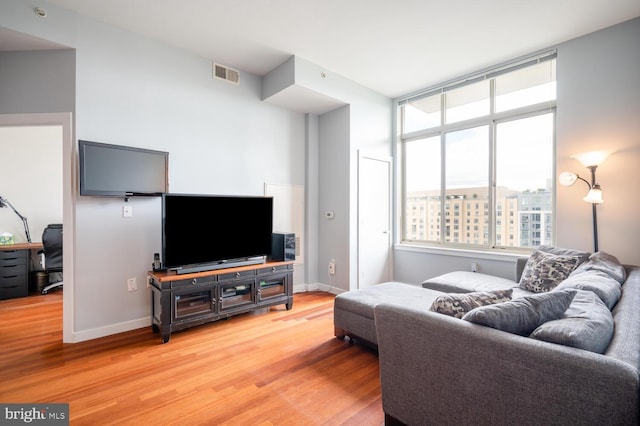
(121, 171)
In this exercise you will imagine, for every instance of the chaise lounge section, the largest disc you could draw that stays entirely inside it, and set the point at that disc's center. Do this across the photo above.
(353, 313)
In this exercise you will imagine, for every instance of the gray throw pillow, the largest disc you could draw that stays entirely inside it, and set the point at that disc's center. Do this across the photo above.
(605, 263)
(524, 314)
(458, 304)
(583, 255)
(543, 271)
(606, 288)
(587, 324)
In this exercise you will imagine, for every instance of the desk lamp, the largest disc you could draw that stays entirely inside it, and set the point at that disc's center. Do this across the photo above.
(5, 203)
(591, 160)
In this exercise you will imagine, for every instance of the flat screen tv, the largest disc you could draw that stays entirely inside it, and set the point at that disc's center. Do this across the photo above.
(205, 232)
(120, 171)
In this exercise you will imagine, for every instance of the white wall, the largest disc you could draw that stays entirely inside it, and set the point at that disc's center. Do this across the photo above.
(31, 176)
(598, 102)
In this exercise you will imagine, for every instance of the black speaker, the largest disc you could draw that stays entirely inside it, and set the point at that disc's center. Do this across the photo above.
(283, 246)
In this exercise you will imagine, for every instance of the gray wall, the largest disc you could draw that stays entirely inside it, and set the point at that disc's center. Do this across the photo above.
(333, 241)
(598, 108)
(363, 125)
(37, 81)
(222, 140)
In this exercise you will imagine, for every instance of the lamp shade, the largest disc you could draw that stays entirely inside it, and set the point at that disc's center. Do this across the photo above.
(567, 178)
(592, 158)
(594, 195)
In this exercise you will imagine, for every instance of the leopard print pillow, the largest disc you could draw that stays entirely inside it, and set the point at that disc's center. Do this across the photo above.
(544, 271)
(458, 304)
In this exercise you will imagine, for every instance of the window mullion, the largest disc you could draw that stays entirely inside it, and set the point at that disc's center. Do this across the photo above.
(443, 171)
(492, 166)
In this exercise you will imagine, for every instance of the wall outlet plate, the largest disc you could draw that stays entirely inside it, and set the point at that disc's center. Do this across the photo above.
(132, 284)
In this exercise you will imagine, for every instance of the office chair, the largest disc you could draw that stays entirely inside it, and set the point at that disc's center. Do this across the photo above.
(52, 251)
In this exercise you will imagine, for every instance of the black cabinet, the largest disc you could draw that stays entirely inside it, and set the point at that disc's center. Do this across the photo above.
(14, 273)
(183, 301)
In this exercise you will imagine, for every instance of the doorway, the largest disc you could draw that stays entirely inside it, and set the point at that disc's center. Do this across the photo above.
(66, 164)
(374, 220)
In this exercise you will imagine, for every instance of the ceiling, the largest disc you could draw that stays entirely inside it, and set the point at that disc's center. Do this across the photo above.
(392, 47)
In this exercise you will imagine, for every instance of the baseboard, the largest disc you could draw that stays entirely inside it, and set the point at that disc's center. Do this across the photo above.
(96, 333)
(302, 288)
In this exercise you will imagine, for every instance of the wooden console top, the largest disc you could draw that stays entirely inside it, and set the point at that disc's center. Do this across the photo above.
(21, 246)
(164, 276)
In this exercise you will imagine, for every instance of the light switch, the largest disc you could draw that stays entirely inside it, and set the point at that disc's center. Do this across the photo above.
(127, 211)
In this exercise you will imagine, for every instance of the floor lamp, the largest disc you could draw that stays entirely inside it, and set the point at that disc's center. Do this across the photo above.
(591, 160)
(5, 203)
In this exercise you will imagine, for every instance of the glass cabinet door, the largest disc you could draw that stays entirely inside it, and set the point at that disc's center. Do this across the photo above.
(236, 294)
(193, 303)
(272, 286)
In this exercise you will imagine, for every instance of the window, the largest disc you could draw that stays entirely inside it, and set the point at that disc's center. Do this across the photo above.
(483, 148)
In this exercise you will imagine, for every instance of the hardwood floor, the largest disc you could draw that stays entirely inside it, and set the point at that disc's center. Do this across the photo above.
(273, 367)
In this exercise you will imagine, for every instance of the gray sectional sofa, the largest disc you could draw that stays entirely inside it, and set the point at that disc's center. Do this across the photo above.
(461, 367)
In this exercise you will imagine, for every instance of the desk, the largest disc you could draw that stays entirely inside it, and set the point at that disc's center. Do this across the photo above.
(15, 269)
(21, 246)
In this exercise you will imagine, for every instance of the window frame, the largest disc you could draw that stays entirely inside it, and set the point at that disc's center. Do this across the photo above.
(492, 120)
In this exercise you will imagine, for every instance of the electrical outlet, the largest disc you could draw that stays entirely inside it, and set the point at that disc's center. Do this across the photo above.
(332, 267)
(132, 284)
(127, 211)
(474, 267)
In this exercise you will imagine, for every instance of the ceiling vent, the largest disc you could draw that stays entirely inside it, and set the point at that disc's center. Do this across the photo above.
(226, 73)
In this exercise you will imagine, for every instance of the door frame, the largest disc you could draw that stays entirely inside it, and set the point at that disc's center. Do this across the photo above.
(69, 179)
(362, 156)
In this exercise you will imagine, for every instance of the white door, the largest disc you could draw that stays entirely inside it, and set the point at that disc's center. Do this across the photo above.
(374, 220)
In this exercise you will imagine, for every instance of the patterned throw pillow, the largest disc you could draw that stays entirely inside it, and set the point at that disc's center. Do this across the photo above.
(458, 304)
(544, 271)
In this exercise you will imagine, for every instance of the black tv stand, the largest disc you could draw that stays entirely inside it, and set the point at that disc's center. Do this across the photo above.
(180, 301)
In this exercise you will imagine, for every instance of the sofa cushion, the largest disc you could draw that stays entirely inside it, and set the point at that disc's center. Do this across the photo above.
(523, 315)
(604, 263)
(467, 282)
(362, 301)
(600, 283)
(458, 304)
(544, 271)
(586, 324)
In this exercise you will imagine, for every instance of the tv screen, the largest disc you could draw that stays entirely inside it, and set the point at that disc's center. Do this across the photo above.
(201, 232)
(115, 170)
